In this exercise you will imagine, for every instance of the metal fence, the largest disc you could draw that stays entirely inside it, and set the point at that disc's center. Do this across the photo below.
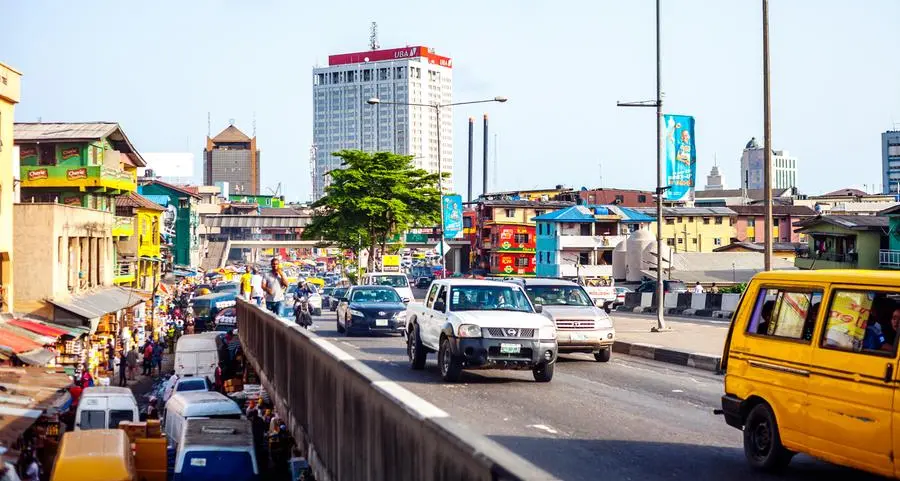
(356, 424)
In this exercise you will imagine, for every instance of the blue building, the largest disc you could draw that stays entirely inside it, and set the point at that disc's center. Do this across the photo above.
(578, 241)
(890, 161)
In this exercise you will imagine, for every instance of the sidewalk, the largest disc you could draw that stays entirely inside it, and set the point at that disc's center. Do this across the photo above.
(693, 344)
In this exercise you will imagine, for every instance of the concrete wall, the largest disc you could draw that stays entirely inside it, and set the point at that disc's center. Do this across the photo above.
(9, 96)
(57, 247)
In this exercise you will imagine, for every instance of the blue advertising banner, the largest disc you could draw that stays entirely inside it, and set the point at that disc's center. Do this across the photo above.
(453, 217)
(681, 156)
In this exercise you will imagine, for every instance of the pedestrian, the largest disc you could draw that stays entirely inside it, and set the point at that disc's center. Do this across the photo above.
(714, 288)
(148, 358)
(111, 356)
(132, 359)
(123, 369)
(75, 391)
(698, 289)
(274, 285)
(157, 358)
(246, 285)
(258, 428)
(256, 287)
(220, 381)
(86, 379)
(29, 468)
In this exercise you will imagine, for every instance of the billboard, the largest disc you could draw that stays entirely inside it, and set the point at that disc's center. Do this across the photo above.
(453, 216)
(390, 54)
(681, 156)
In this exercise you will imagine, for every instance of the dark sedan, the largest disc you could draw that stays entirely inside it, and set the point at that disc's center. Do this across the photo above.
(369, 309)
(335, 298)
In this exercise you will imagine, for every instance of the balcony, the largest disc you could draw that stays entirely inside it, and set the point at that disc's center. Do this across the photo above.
(889, 259)
(124, 272)
(825, 260)
(67, 176)
(589, 242)
(123, 226)
(570, 270)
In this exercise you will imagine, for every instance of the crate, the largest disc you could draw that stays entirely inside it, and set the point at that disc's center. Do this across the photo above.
(134, 430)
(154, 428)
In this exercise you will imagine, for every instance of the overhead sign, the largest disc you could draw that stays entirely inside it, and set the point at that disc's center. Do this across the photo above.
(681, 156)
(390, 54)
(453, 217)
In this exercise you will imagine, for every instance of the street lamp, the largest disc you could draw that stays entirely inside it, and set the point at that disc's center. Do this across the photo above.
(437, 117)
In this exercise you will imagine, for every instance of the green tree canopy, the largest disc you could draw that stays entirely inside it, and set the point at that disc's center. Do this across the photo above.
(372, 197)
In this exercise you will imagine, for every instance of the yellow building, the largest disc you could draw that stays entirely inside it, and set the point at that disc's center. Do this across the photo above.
(9, 97)
(695, 229)
(138, 222)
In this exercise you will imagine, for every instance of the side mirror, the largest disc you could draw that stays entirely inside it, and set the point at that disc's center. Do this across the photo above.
(538, 308)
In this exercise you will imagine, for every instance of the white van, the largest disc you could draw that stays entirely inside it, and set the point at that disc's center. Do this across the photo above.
(104, 407)
(397, 280)
(197, 404)
(197, 355)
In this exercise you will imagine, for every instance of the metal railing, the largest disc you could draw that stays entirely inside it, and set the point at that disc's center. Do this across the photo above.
(889, 258)
(355, 423)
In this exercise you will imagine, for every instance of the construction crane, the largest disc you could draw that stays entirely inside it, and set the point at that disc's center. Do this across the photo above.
(276, 192)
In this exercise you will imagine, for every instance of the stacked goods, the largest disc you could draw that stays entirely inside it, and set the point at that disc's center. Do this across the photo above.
(134, 430)
(154, 428)
(234, 385)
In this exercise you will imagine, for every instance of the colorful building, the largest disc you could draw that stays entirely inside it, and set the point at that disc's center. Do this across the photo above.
(750, 222)
(843, 242)
(138, 253)
(9, 97)
(889, 257)
(272, 201)
(505, 243)
(695, 229)
(182, 205)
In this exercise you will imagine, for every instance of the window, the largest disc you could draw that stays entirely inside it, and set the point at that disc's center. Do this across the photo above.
(863, 322)
(584, 258)
(118, 415)
(670, 241)
(521, 238)
(92, 420)
(694, 240)
(540, 229)
(522, 262)
(642, 198)
(690, 220)
(680, 241)
(680, 220)
(467, 222)
(540, 257)
(538, 212)
(510, 212)
(620, 199)
(706, 220)
(785, 314)
(670, 221)
(717, 241)
(751, 222)
(718, 220)
(47, 154)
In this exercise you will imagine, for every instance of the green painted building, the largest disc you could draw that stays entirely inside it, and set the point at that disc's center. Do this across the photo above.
(186, 244)
(890, 257)
(843, 242)
(273, 201)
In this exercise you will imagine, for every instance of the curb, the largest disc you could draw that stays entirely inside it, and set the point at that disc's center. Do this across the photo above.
(655, 352)
(677, 311)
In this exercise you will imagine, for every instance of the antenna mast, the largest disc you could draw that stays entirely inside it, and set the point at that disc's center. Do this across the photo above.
(208, 124)
(373, 37)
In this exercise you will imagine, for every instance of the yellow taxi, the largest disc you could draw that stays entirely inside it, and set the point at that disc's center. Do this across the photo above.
(98, 455)
(811, 367)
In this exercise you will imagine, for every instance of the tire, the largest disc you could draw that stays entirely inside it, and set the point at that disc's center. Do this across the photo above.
(544, 372)
(603, 355)
(762, 441)
(340, 327)
(607, 307)
(415, 351)
(317, 312)
(450, 366)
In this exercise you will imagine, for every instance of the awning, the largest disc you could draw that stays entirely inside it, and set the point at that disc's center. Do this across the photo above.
(32, 336)
(94, 305)
(40, 328)
(37, 357)
(15, 343)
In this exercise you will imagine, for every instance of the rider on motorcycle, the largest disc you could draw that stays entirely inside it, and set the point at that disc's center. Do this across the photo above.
(301, 305)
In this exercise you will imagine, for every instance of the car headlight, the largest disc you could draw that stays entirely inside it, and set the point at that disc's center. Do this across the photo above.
(354, 312)
(603, 321)
(547, 332)
(398, 316)
(469, 330)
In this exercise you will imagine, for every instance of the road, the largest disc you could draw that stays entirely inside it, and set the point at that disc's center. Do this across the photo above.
(629, 419)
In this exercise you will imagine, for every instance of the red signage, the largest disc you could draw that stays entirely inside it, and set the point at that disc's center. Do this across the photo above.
(389, 54)
(72, 201)
(38, 174)
(25, 152)
(515, 237)
(70, 152)
(75, 174)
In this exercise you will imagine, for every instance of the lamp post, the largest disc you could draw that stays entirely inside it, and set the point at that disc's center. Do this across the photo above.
(660, 188)
(437, 117)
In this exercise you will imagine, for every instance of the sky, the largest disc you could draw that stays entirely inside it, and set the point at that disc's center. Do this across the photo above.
(159, 67)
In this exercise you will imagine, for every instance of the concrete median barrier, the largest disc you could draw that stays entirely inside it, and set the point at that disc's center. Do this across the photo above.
(356, 424)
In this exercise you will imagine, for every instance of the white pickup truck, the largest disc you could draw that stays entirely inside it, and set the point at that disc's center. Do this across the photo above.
(476, 324)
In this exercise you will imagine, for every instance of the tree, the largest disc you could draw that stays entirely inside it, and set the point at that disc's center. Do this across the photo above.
(372, 197)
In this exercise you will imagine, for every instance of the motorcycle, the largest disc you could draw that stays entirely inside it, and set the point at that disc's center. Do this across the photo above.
(302, 314)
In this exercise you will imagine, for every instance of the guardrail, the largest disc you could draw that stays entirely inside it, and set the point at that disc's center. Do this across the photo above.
(355, 423)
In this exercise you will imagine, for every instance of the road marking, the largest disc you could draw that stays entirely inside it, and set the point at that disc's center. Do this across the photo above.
(421, 406)
(354, 346)
(543, 427)
(677, 390)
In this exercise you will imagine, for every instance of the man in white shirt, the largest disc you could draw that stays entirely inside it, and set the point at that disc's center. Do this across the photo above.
(256, 286)
(274, 285)
(698, 289)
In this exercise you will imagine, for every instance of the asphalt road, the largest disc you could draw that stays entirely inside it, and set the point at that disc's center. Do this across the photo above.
(629, 419)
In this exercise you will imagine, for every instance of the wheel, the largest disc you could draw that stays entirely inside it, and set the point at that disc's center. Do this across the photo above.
(543, 372)
(340, 327)
(603, 355)
(317, 311)
(451, 367)
(415, 350)
(762, 442)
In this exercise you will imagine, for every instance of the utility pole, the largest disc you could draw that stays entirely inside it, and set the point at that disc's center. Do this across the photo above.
(767, 132)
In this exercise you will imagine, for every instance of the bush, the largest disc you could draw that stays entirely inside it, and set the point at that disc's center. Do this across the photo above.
(735, 289)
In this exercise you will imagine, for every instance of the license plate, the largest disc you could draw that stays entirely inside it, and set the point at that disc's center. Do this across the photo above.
(510, 348)
(578, 337)
(381, 322)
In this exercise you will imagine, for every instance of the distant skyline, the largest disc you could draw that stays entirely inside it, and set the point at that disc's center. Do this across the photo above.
(158, 68)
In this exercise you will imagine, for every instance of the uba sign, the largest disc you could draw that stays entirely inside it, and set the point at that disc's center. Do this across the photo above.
(389, 54)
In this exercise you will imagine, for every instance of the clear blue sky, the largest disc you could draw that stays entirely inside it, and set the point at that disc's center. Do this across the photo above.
(158, 67)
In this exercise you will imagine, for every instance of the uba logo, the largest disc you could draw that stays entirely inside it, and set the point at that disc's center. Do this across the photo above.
(404, 53)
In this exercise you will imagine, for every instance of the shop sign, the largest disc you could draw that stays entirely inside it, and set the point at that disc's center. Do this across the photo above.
(70, 153)
(38, 174)
(72, 201)
(75, 174)
(25, 152)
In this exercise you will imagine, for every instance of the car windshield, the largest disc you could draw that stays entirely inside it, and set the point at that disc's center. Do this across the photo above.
(393, 281)
(192, 385)
(339, 293)
(559, 296)
(488, 298)
(367, 296)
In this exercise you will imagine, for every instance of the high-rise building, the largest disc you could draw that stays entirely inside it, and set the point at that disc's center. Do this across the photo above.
(714, 179)
(342, 118)
(232, 157)
(890, 161)
(784, 167)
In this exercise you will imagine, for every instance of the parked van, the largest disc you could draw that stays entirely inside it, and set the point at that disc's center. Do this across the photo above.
(216, 449)
(811, 366)
(197, 404)
(197, 355)
(397, 280)
(99, 455)
(207, 307)
(104, 407)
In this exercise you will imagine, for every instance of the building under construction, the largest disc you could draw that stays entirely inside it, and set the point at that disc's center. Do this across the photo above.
(232, 157)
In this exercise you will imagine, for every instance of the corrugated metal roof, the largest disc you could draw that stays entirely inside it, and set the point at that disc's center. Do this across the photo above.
(133, 199)
(258, 221)
(42, 339)
(39, 328)
(174, 188)
(687, 211)
(854, 222)
(91, 306)
(162, 200)
(78, 132)
(16, 343)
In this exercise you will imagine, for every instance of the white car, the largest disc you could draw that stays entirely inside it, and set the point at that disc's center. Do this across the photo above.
(315, 300)
(476, 324)
(397, 280)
